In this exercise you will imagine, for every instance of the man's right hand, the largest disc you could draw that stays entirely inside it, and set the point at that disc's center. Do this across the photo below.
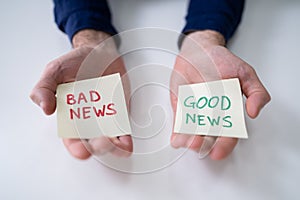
(65, 69)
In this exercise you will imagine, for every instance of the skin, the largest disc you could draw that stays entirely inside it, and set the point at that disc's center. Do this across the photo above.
(65, 69)
(203, 57)
(207, 60)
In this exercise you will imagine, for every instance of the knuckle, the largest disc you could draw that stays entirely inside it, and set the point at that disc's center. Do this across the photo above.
(54, 64)
(268, 97)
(33, 96)
(246, 71)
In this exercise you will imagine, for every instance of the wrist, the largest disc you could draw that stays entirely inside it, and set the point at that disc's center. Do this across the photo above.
(206, 38)
(88, 38)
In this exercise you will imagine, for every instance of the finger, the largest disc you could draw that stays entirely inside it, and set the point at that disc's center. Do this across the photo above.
(178, 78)
(223, 147)
(256, 93)
(123, 146)
(192, 142)
(100, 145)
(119, 146)
(255, 102)
(173, 99)
(44, 96)
(77, 148)
(207, 145)
(181, 76)
(195, 142)
(179, 140)
(173, 92)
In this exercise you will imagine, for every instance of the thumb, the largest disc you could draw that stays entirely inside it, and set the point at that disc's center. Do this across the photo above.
(43, 94)
(256, 93)
(255, 102)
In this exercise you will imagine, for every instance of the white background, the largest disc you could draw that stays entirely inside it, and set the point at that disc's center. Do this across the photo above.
(35, 165)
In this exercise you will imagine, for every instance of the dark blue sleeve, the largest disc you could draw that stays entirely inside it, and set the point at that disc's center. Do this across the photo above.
(223, 16)
(72, 16)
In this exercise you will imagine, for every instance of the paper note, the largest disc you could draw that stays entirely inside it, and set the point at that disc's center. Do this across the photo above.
(91, 108)
(211, 108)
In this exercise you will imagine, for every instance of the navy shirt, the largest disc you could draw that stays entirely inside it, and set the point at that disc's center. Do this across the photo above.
(223, 16)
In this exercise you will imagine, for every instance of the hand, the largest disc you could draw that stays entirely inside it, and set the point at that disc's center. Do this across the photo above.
(203, 57)
(67, 68)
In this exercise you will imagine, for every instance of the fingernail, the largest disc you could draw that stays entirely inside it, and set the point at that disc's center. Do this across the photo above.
(206, 147)
(125, 140)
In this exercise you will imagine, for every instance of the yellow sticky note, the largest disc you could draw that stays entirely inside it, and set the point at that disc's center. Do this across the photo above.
(211, 108)
(91, 108)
